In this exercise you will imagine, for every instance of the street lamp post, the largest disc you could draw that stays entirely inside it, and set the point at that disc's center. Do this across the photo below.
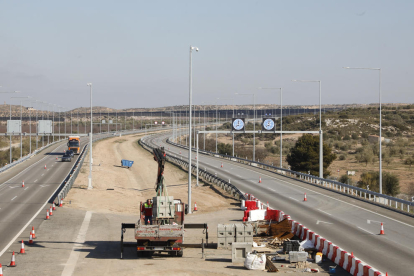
(320, 126)
(281, 123)
(21, 125)
(189, 126)
(90, 143)
(380, 121)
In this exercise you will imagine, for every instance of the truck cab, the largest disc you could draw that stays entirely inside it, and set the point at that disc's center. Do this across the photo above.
(74, 144)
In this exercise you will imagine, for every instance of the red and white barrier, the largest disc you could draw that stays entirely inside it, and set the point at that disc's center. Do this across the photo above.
(341, 257)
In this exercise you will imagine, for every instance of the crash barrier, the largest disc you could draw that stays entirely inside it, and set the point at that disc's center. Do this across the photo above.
(389, 202)
(26, 157)
(203, 174)
(339, 256)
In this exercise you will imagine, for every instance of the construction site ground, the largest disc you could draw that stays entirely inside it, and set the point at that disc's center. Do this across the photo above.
(83, 236)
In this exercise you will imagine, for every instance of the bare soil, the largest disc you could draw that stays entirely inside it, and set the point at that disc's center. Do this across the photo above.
(133, 185)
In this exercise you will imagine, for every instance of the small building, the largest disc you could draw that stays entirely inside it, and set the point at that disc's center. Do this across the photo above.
(350, 172)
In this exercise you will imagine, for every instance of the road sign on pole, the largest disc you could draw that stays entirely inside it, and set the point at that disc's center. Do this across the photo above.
(44, 126)
(14, 126)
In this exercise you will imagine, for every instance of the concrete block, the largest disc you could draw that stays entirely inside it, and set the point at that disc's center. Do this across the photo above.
(221, 243)
(239, 230)
(221, 231)
(239, 251)
(229, 242)
(248, 227)
(239, 238)
(248, 239)
(230, 230)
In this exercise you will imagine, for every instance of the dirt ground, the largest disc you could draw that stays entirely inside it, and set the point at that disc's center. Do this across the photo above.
(133, 185)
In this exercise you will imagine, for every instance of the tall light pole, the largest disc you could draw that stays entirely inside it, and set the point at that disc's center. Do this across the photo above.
(281, 119)
(10, 120)
(320, 126)
(254, 122)
(90, 143)
(21, 125)
(189, 126)
(380, 121)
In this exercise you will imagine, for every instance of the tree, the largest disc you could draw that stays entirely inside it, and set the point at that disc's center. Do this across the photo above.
(390, 182)
(409, 161)
(224, 148)
(344, 178)
(304, 156)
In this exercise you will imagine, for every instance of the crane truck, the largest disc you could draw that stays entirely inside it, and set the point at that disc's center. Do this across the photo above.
(166, 233)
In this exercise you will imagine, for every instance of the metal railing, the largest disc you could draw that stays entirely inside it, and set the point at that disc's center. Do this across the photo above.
(392, 203)
(206, 176)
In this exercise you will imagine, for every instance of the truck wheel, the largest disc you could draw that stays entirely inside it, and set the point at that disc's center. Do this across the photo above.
(140, 254)
(180, 253)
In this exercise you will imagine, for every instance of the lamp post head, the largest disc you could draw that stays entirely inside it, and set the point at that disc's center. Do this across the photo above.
(194, 48)
(89, 84)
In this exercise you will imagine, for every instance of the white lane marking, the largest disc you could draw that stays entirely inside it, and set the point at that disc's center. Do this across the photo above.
(271, 189)
(14, 197)
(324, 212)
(226, 170)
(293, 198)
(26, 188)
(80, 239)
(42, 174)
(35, 181)
(43, 186)
(318, 221)
(369, 221)
(28, 168)
(365, 230)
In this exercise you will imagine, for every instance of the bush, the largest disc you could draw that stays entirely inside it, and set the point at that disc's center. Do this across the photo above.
(344, 179)
(390, 182)
(342, 157)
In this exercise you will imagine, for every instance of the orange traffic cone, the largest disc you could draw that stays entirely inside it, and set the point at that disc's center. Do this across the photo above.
(260, 179)
(222, 164)
(13, 261)
(22, 249)
(382, 229)
(305, 199)
(45, 166)
(180, 151)
(30, 238)
(50, 211)
(33, 233)
(1, 271)
(53, 207)
(61, 202)
(195, 206)
(47, 213)
(23, 184)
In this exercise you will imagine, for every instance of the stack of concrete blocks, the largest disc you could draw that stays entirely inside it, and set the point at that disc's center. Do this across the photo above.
(163, 207)
(229, 233)
(244, 232)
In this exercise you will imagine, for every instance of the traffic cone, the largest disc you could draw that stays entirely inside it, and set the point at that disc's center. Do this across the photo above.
(33, 233)
(30, 238)
(305, 199)
(195, 206)
(13, 261)
(45, 166)
(260, 179)
(56, 158)
(23, 184)
(54, 206)
(382, 229)
(47, 213)
(50, 211)
(148, 221)
(222, 164)
(1, 271)
(22, 249)
(61, 203)
(180, 151)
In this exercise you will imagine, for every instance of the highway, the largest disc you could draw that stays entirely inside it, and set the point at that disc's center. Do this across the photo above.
(351, 224)
(19, 205)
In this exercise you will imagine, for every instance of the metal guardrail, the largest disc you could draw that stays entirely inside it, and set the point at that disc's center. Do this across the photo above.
(206, 176)
(390, 202)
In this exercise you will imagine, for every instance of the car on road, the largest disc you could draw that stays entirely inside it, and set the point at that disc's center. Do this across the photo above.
(67, 157)
(71, 153)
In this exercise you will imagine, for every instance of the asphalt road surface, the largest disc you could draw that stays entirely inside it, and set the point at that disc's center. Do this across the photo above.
(351, 224)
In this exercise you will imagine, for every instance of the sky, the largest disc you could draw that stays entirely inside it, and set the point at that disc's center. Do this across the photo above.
(136, 53)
